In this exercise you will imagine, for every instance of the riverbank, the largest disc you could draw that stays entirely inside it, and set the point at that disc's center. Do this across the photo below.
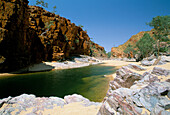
(137, 89)
(76, 62)
(77, 108)
(30, 104)
(119, 64)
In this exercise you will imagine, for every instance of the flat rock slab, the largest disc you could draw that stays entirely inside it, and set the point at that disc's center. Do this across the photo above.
(160, 71)
(39, 104)
(147, 94)
(136, 67)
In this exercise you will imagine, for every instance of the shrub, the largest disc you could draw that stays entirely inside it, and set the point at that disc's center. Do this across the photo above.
(77, 41)
(109, 54)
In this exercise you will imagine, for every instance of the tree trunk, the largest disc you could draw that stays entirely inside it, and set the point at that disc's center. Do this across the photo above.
(158, 46)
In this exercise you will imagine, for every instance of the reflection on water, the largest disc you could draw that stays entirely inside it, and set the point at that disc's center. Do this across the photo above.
(87, 81)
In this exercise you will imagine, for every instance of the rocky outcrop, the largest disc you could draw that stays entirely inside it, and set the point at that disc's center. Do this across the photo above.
(154, 61)
(30, 34)
(118, 51)
(124, 78)
(32, 105)
(160, 71)
(147, 96)
(136, 67)
(76, 62)
(19, 44)
(78, 98)
(97, 50)
(62, 38)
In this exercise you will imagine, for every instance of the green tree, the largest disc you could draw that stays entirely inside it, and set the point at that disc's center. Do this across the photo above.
(161, 26)
(109, 54)
(81, 26)
(50, 23)
(145, 45)
(104, 51)
(42, 3)
(47, 27)
(54, 9)
(129, 49)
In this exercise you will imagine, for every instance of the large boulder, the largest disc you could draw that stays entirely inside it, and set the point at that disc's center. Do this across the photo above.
(153, 61)
(78, 98)
(146, 96)
(147, 62)
(124, 78)
(75, 98)
(160, 71)
(133, 102)
(136, 67)
(25, 102)
(165, 58)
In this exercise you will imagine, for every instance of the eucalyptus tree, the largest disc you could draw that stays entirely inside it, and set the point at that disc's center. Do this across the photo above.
(161, 26)
(145, 45)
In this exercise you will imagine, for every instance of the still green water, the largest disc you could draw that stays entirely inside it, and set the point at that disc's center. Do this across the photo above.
(87, 81)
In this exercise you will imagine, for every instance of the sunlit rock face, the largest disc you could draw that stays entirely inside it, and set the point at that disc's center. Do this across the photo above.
(27, 36)
(62, 39)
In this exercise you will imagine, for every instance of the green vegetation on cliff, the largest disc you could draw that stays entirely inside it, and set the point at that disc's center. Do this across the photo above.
(161, 26)
(145, 45)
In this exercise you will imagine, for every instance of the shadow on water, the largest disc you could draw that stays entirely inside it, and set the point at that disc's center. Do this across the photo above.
(87, 81)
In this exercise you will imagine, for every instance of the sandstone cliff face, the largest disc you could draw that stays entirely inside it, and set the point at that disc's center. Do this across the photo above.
(16, 45)
(97, 50)
(30, 34)
(118, 51)
(62, 39)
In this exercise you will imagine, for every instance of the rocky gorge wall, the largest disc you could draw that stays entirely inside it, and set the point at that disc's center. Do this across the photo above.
(30, 34)
(19, 44)
(97, 50)
(62, 38)
(118, 51)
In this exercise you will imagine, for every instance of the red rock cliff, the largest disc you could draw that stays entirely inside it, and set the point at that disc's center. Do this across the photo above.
(118, 51)
(17, 47)
(25, 38)
(97, 50)
(62, 39)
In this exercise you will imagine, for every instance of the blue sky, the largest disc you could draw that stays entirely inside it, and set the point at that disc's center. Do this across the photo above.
(110, 22)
